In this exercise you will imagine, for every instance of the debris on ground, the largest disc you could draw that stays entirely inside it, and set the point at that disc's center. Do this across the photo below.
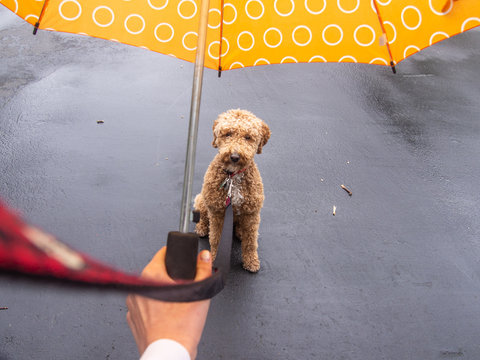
(346, 189)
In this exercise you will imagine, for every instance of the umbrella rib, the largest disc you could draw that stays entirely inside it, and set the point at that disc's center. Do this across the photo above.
(392, 63)
(37, 24)
(221, 37)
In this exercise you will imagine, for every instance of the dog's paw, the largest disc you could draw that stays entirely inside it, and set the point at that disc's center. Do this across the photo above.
(252, 265)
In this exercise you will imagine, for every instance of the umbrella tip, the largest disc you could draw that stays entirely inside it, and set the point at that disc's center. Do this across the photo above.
(35, 28)
(392, 64)
(219, 71)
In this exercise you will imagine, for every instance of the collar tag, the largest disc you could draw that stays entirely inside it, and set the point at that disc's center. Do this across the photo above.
(228, 183)
(224, 183)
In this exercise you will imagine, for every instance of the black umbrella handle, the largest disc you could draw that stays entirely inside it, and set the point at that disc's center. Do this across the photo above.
(181, 257)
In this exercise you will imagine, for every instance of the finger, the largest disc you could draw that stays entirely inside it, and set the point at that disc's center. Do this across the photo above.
(156, 268)
(204, 265)
(129, 301)
(155, 265)
(129, 319)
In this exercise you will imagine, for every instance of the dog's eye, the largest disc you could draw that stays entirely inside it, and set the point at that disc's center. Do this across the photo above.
(247, 137)
(228, 134)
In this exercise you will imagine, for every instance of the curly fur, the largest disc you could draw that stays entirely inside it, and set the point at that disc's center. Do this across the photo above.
(238, 134)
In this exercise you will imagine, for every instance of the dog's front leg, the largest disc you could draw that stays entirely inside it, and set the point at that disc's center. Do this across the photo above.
(215, 231)
(247, 229)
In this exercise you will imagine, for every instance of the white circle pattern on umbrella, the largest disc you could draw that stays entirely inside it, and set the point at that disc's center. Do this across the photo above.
(260, 32)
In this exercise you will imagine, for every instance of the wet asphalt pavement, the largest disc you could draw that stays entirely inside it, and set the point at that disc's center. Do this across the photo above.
(395, 274)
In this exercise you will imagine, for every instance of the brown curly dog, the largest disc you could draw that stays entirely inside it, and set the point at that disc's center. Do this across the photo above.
(233, 177)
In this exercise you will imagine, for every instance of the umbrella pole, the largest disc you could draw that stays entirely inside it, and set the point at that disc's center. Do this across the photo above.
(194, 117)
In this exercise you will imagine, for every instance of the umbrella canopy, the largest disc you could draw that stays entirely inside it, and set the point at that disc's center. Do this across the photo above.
(255, 32)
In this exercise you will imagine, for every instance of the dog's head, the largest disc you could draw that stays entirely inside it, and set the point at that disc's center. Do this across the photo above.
(239, 135)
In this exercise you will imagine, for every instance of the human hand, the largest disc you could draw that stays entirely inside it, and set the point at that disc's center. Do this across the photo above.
(150, 320)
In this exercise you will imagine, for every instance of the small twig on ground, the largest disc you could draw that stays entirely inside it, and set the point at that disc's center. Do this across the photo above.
(345, 188)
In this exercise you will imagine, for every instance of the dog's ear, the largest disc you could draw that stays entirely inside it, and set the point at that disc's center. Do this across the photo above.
(265, 132)
(214, 142)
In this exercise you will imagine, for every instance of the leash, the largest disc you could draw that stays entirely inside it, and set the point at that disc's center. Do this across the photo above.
(49, 260)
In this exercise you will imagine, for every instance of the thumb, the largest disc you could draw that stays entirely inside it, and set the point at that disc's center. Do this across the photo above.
(204, 265)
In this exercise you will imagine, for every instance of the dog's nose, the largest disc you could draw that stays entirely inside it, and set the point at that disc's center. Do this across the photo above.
(234, 157)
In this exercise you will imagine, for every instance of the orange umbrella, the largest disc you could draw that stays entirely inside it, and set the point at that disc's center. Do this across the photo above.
(259, 32)
(233, 34)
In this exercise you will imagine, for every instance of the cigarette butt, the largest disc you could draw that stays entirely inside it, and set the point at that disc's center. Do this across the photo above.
(100, 121)
(334, 210)
(345, 188)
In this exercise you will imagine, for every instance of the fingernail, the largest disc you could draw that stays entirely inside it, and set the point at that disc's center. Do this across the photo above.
(205, 256)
